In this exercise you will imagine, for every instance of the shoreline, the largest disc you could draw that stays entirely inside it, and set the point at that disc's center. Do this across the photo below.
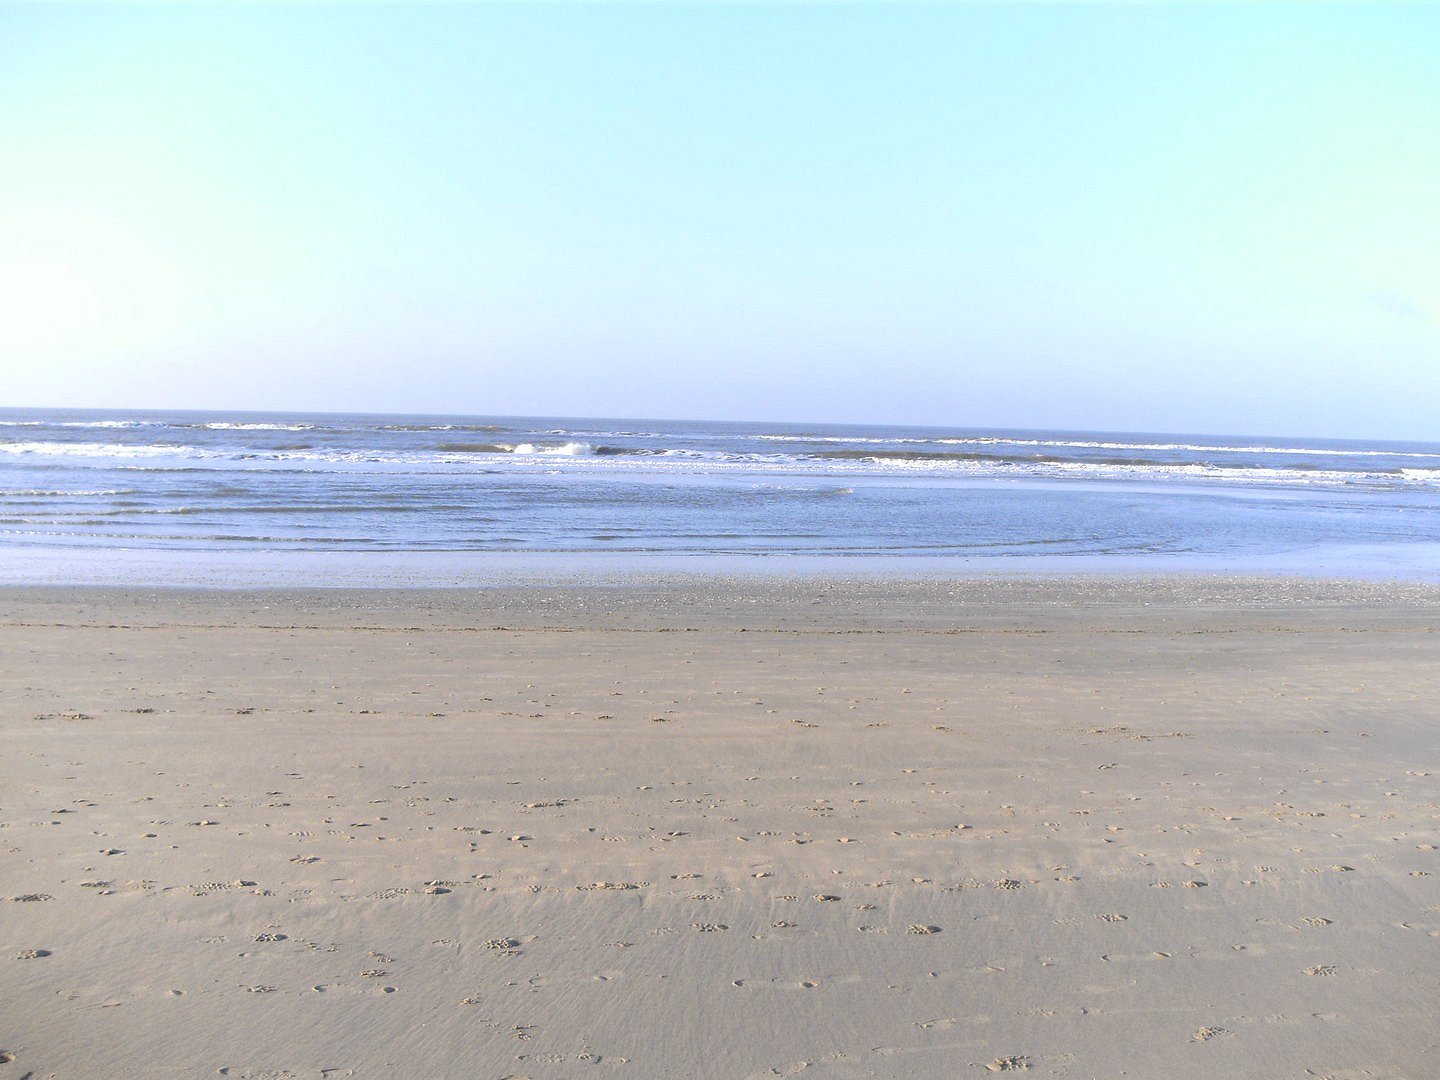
(824, 604)
(32, 566)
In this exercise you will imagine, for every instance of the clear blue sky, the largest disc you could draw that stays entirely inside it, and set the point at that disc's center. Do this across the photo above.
(1201, 218)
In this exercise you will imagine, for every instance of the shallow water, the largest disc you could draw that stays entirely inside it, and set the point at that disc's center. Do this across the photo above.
(112, 481)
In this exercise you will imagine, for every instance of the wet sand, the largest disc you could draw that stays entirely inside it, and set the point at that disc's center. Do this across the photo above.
(1078, 827)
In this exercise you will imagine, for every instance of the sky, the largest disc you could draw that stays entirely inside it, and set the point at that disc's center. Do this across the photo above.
(1204, 217)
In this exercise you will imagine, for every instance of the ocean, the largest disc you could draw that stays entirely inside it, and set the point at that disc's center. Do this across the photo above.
(98, 489)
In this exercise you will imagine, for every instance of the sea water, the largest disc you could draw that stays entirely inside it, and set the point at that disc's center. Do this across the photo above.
(98, 487)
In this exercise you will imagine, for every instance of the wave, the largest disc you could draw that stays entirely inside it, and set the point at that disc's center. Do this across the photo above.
(305, 452)
(998, 459)
(876, 462)
(473, 448)
(44, 493)
(1090, 444)
(1198, 448)
(1007, 460)
(225, 425)
(569, 449)
(98, 450)
(84, 423)
(124, 510)
(442, 427)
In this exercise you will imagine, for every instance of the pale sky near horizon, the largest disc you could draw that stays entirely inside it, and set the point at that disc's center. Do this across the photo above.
(1218, 218)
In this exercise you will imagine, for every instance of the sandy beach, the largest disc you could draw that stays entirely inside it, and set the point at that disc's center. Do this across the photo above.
(1075, 827)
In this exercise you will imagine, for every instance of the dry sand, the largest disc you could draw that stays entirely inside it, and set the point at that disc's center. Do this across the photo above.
(1084, 828)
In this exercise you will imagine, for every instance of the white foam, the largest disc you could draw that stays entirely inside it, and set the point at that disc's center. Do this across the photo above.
(84, 423)
(569, 449)
(95, 450)
(221, 425)
(1303, 451)
(836, 439)
(1090, 444)
(31, 493)
(581, 456)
